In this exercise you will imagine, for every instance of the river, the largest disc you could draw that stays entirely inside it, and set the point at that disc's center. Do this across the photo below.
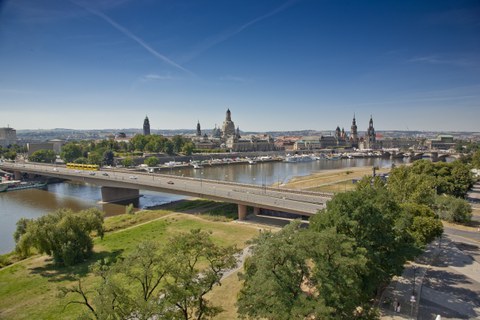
(33, 203)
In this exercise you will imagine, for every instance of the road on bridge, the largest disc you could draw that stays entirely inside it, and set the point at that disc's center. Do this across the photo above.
(287, 200)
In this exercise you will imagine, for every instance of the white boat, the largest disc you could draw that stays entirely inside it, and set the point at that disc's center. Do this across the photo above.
(197, 166)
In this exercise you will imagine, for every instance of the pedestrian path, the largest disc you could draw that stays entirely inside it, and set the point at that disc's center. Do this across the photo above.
(444, 281)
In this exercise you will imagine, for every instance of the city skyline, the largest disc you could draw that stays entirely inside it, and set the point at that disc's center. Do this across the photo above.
(278, 65)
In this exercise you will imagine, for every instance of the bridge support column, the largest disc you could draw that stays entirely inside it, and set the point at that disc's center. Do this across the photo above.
(242, 212)
(17, 175)
(256, 211)
(112, 194)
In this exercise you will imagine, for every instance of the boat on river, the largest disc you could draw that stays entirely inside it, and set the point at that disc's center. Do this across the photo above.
(13, 185)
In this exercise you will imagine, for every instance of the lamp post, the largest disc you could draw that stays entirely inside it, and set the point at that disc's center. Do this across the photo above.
(412, 297)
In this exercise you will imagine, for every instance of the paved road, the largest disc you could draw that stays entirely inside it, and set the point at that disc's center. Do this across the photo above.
(447, 281)
(294, 201)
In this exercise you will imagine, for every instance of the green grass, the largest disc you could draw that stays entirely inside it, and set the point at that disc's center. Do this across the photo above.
(28, 290)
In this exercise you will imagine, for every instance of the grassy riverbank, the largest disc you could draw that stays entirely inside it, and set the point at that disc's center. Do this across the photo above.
(337, 180)
(28, 289)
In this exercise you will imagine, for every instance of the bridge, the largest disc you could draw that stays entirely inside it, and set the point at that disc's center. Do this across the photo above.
(117, 185)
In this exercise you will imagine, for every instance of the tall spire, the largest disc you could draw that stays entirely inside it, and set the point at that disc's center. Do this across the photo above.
(146, 126)
(199, 131)
(229, 115)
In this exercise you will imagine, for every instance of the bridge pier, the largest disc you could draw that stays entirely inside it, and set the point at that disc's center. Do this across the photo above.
(256, 211)
(242, 211)
(112, 194)
(17, 175)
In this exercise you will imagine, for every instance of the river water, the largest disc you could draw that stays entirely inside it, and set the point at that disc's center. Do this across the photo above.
(33, 203)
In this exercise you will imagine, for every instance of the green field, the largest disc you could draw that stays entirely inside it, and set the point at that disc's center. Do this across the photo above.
(28, 290)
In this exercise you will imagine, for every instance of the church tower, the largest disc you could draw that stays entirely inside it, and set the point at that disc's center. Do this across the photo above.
(354, 132)
(371, 135)
(199, 130)
(146, 126)
(228, 128)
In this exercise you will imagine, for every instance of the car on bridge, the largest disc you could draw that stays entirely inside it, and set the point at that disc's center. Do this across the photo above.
(170, 182)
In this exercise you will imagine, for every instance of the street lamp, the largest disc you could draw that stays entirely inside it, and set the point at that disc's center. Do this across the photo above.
(412, 297)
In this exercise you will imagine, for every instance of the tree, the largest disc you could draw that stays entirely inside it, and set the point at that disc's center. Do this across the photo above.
(138, 142)
(168, 147)
(45, 156)
(108, 158)
(188, 148)
(71, 151)
(178, 142)
(369, 216)
(94, 158)
(476, 159)
(155, 282)
(188, 282)
(301, 274)
(127, 162)
(407, 185)
(63, 234)
(151, 161)
(421, 223)
(453, 209)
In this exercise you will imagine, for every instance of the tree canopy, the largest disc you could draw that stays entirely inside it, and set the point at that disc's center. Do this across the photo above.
(45, 156)
(159, 282)
(63, 234)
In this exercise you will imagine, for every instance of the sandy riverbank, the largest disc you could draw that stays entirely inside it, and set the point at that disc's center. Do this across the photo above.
(332, 180)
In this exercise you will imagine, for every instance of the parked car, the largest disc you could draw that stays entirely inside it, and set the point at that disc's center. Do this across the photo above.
(170, 182)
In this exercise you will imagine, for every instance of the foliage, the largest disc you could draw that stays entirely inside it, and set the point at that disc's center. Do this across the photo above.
(421, 181)
(129, 209)
(45, 156)
(453, 209)
(63, 234)
(300, 274)
(81, 160)
(188, 148)
(154, 282)
(368, 215)
(406, 185)
(127, 162)
(151, 161)
(71, 151)
(94, 158)
(421, 223)
(108, 158)
(476, 159)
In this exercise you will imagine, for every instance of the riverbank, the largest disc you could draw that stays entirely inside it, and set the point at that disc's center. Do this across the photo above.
(28, 289)
(335, 180)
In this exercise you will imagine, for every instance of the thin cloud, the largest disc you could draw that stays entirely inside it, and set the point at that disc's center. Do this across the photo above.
(434, 59)
(211, 42)
(233, 78)
(156, 77)
(135, 38)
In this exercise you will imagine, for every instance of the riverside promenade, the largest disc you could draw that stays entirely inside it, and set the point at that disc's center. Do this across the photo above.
(445, 280)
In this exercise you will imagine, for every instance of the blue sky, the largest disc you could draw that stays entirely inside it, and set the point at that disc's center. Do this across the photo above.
(278, 65)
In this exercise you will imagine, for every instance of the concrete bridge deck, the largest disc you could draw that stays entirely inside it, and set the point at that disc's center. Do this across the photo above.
(117, 183)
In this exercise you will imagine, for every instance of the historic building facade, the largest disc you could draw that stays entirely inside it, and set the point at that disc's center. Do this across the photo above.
(228, 137)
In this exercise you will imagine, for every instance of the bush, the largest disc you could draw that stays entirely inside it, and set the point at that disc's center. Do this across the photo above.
(129, 209)
(453, 209)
